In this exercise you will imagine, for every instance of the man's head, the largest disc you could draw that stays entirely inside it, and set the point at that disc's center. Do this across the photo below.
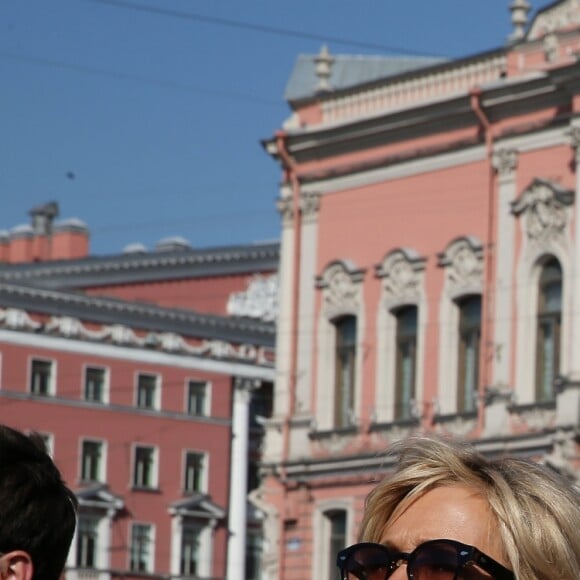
(37, 510)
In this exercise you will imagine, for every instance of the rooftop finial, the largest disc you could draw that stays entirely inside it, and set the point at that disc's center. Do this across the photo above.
(519, 10)
(323, 65)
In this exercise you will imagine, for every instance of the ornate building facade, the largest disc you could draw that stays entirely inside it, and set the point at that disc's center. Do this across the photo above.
(145, 373)
(429, 272)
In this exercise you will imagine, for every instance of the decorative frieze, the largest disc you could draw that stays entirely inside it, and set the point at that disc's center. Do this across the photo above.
(72, 328)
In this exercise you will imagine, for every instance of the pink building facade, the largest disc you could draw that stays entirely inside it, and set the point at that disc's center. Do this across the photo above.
(429, 272)
(145, 372)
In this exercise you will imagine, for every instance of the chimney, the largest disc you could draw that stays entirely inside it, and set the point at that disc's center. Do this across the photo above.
(43, 218)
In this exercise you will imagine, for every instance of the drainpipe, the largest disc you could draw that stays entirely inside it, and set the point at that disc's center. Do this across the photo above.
(290, 175)
(486, 356)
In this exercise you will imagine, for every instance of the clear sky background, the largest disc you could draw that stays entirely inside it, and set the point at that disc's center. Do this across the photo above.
(146, 121)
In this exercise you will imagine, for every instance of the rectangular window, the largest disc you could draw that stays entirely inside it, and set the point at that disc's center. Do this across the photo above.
(468, 356)
(254, 550)
(95, 384)
(336, 529)
(197, 398)
(144, 467)
(345, 358)
(147, 391)
(194, 475)
(42, 377)
(190, 550)
(87, 541)
(141, 548)
(92, 461)
(406, 362)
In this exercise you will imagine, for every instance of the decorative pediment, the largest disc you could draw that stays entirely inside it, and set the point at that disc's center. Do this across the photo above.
(340, 283)
(198, 505)
(401, 272)
(99, 497)
(542, 206)
(463, 261)
(557, 16)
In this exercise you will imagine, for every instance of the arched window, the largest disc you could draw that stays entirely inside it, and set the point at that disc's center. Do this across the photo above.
(345, 359)
(468, 355)
(548, 331)
(406, 361)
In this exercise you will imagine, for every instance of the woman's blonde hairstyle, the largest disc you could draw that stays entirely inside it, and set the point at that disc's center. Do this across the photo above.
(537, 511)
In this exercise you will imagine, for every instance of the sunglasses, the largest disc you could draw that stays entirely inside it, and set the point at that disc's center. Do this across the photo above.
(432, 560)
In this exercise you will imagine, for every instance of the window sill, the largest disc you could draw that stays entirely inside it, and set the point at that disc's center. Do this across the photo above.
(395, 424)
(145, 489)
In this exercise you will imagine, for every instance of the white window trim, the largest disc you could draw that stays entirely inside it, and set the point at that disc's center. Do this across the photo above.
(205, 474)
(102, 475)
(106, 386)
(208, 392)
(554, 240)
(402, 284)
(206, 546)
(151, 563)
(157, 394)
(102, 548)
(320, 531)
(53, 374)
(459, 283)
(336, 305)
(155, 475)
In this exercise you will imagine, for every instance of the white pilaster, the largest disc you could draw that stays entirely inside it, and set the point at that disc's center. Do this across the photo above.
(574, 373)
(504, 162)
(239, 479)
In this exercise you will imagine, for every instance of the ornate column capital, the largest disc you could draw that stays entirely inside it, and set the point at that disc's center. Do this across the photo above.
(286, 211)
(309, 205)
(574, 134)
(504, 161)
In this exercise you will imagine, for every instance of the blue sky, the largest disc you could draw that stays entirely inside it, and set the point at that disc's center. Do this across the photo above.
(147, 125)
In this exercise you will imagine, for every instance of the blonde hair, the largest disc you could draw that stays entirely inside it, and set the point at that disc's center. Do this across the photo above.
(537, 511)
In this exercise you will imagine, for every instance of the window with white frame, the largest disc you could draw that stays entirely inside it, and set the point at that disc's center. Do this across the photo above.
(345, 362)
(194, 472)
(147, 391)
(549, 320)
(42, 380)
(341, 323)
(87, 541)
(406, 361)
(335, 528)
(469, 352)
(92, 461)
(197, 398)
(191, 545)
(145, 467)
(254, 550)
(95, 384)
(459, 322)
(141, 548)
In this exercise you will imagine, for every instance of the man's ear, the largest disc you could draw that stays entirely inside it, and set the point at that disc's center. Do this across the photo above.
(16, 565)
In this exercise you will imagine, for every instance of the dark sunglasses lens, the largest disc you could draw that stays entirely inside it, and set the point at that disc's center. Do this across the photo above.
(367, 563)
(434, 562)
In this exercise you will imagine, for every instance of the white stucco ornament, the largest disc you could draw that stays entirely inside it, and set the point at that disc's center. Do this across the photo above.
(259, 300)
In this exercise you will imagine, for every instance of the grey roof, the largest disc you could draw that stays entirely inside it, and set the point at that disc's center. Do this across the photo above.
(136, 314)
(146, 266)
(350, 71)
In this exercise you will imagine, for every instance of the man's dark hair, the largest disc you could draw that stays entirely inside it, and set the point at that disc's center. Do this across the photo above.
(37, 510)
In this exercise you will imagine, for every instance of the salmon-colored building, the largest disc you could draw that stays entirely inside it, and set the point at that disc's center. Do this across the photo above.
(429, 272)
(145, 372)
